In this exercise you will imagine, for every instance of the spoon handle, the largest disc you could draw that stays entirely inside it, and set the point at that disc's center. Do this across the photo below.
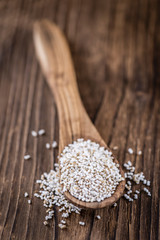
(56, 62)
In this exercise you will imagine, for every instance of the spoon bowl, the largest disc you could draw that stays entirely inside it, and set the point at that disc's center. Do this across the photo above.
(55, 59)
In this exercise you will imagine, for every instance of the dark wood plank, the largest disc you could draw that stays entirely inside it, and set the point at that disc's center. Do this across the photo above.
(116, 48)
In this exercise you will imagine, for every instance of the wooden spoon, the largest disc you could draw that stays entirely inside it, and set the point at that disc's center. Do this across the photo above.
(55, 59)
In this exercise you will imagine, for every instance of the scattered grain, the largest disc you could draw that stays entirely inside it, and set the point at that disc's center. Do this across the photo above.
(140, 152)
(130, 150)
(26, 194)
(148, 183)
(45, 223)
(48, 146)
(51, 194)
(81, 223)
(41, 132)
(34, 133)
(62, 226)
(135, 196)
(27, 157)
(115, 148)
(54, 144)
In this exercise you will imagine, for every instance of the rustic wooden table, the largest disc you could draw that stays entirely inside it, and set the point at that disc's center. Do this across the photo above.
(116, 50)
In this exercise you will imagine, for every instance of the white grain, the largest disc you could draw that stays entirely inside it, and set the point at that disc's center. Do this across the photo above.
(26, 194)
(81, 223)
(130, 150)
(88, 171)
(54, 144)
(41, 132)
(48, 146)
(140, 152)
(45, 223)
(27, 157)
(62, 226)
(34, 133)
(115, 148)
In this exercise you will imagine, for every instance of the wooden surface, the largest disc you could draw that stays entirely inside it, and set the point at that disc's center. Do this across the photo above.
(116, 50)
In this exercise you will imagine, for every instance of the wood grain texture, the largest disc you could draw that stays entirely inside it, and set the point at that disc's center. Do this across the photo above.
(116, 50)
